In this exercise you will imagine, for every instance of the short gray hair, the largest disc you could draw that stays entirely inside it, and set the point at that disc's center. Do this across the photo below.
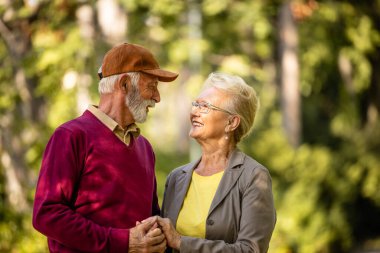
(107, 84)
(242, 100)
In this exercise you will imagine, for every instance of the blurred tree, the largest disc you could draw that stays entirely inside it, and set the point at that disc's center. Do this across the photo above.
(289, 74)
(326, 186)
(40, 43)
(20, 108)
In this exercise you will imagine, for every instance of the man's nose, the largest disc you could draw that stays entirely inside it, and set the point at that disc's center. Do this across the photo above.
(156, 96)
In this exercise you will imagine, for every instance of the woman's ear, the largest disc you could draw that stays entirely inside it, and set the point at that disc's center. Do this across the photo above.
(233, 122)
(123, 83)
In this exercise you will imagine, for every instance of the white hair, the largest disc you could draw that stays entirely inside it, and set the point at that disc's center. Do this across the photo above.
(107, 84)
(242, 100)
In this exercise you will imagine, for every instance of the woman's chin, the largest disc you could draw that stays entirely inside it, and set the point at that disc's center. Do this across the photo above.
(193, 134)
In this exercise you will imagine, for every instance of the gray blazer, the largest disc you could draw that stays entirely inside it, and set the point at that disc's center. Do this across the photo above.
(242, 214)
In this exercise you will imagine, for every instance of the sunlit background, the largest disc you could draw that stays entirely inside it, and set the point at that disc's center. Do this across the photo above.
(315, 65)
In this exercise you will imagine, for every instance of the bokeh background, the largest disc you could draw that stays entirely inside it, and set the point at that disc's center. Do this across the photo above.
(315, 65)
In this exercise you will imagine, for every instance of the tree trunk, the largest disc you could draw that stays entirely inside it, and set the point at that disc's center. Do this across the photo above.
(85, 18)
(112, 21)
(289, 75)
(18, 125)
(194, 19)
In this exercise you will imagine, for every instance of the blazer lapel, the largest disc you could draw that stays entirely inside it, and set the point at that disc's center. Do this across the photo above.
(181, 186)
(231, 175)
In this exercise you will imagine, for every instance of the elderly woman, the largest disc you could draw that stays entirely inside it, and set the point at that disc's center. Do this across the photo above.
(223, 202)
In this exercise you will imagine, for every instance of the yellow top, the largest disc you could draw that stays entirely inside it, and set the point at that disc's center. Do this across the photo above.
(192, 217)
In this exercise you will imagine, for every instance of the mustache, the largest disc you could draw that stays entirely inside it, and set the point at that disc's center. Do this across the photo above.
(150, 102)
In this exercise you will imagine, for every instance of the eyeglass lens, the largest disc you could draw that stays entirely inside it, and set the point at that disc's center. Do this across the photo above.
(202, 107)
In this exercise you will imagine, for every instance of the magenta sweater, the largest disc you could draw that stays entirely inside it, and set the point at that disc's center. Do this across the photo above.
(92, 188)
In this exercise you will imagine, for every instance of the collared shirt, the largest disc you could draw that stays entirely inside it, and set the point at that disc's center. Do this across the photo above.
(94, 176)
(123, 134)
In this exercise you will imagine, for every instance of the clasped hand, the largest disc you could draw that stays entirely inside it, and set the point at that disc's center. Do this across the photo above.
(152, 235)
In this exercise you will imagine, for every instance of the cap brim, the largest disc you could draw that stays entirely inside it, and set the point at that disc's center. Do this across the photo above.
(163, 75)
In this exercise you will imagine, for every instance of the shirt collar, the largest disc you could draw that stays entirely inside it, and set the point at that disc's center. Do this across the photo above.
(111, 124)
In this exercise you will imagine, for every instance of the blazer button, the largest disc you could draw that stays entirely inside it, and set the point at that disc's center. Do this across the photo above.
(210, 222)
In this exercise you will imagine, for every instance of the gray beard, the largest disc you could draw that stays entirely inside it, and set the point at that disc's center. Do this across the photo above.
(137, 105)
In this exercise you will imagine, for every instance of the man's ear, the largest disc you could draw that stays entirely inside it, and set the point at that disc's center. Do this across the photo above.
(123, 83)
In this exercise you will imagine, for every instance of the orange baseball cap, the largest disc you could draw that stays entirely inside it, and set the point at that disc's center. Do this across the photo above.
(133, 58)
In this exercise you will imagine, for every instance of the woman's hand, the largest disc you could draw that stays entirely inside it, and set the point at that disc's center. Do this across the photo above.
(173, 238)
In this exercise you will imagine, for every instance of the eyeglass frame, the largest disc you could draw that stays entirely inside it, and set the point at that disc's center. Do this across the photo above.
(209, 107)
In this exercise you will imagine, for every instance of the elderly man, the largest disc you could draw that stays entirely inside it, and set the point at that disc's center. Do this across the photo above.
(97, 176)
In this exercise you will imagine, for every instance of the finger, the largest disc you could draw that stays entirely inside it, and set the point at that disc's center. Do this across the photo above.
(155, 225)
(161, 221)
(138, 223)
(154, 232)
(155, 240)
(146, 226)
(150, 219)
(159, 247)
(164, 223)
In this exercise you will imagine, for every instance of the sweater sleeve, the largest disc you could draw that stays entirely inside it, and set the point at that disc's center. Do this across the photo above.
(155, 205)
(54, 214)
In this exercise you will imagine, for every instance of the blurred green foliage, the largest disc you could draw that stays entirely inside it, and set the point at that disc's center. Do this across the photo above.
(326, 190)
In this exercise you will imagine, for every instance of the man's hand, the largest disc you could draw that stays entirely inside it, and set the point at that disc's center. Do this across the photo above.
(146, 237)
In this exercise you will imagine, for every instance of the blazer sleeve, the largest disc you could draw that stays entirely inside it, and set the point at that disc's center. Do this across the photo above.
(169, 187)
(166, 197)
(257, 221)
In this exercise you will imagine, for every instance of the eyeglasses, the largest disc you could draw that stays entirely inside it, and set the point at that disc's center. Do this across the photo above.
(205, 107)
